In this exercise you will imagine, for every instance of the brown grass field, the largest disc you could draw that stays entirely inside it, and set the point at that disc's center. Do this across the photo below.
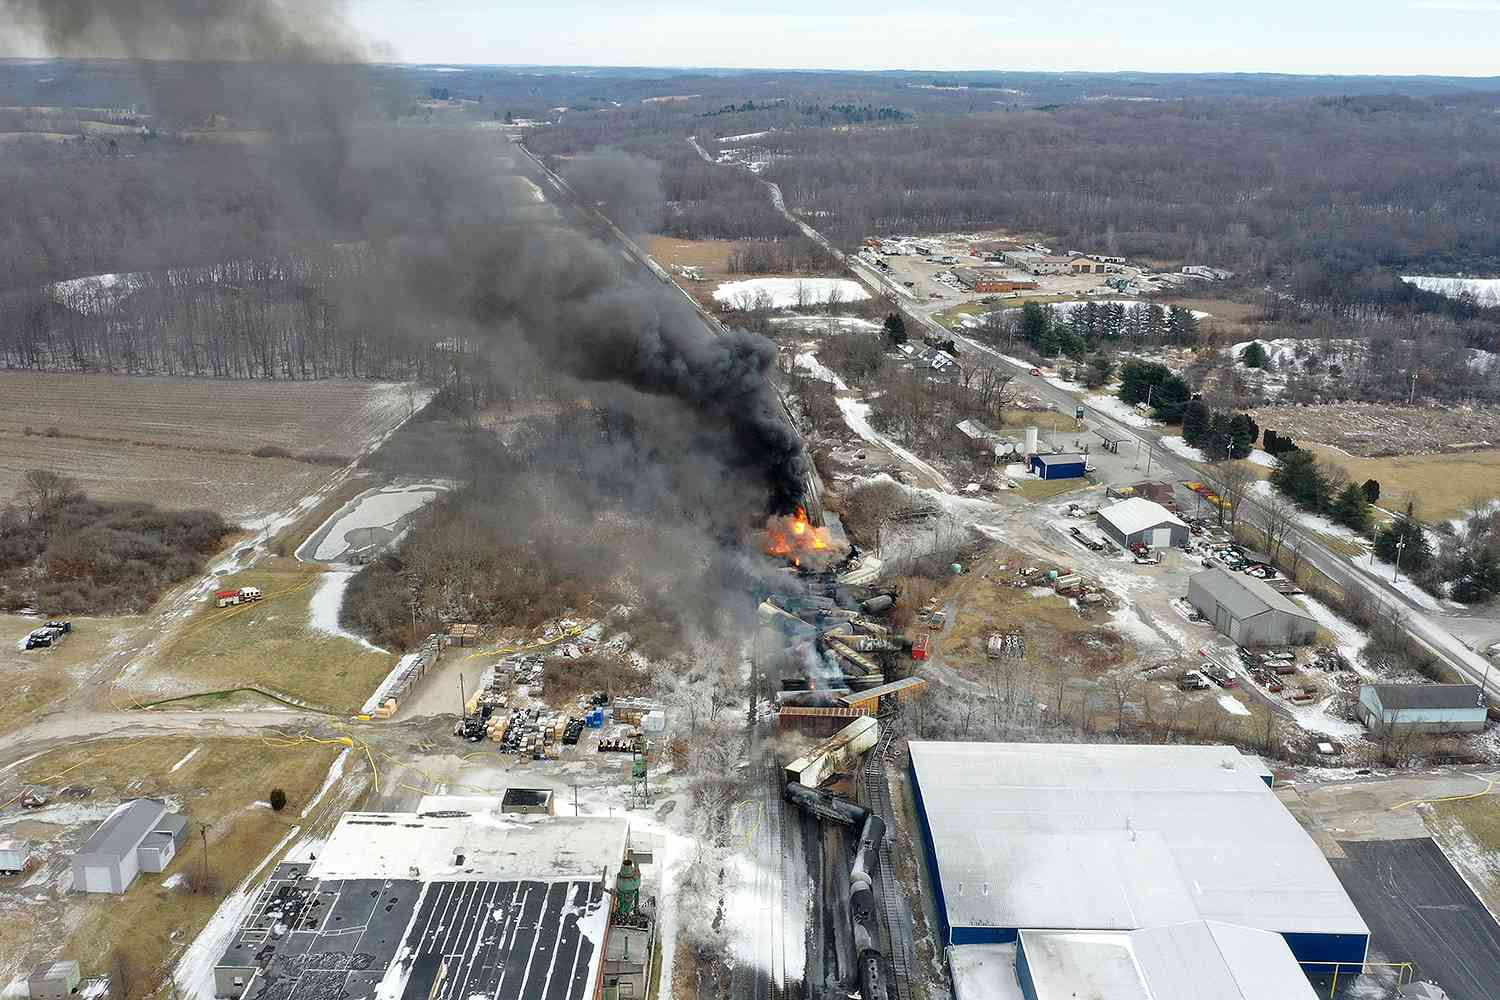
(269, 644)
(221, 785)
(1381, 429)
(39, 676)
(187, 442)
(1443, 486)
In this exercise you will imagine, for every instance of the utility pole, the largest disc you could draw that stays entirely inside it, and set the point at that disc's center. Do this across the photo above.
(203, 833)
(1396, 576)
(1150, 451)
(463, 703)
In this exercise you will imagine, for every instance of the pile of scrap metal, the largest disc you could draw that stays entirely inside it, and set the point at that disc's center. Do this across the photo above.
(841, 638)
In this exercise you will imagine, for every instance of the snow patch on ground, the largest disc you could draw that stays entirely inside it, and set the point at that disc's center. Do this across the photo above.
(1347, 636)
(335, 772)
(1232, 705)
(742, 138)
(1485, 290)
(1118, 409)
(187, 757)
(326, 602)
(174, 881)
(823, 322)
(857, 416)
(1263, 458)
(784, 293)
(808, 361)
(1175, 444)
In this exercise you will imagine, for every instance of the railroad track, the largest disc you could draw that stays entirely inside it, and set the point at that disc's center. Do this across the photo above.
(897, 915)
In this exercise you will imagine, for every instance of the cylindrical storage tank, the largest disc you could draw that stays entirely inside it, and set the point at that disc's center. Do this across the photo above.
(1031, 440)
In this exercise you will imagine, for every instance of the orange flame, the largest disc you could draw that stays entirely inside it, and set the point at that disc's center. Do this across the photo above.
(792, 537)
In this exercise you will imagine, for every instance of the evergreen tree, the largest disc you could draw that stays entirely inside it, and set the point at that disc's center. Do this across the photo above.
(895, 328)
(1371, 490)
(1254, 355)
(1182, 326)
(1298, 478)
(1195, 420)
(1218, 438)
(1416, 553)
(1351, 509)
(1244, 432)
(1156, 324)
(1138, 379)
(1036, 328)
(1170, 398)
(1099, 369)
(1478, 577)
(1114, 321)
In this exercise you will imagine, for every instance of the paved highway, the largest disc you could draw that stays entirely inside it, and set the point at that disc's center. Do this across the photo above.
(1430, 631)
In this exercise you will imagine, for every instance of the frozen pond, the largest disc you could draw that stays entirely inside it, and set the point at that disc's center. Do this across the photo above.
(373, 518)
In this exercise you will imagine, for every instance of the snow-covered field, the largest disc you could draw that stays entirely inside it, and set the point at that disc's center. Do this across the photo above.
(786, 293)
(1486, 290)
(326, 602)
(381, 509)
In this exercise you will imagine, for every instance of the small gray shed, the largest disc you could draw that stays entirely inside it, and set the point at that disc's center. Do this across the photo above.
(138, 836)
(1248, 611)
(1139, 521)
(53, 980)
(1400, 709)
(15, 855)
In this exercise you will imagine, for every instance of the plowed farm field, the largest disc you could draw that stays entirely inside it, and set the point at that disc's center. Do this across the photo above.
(184, 443)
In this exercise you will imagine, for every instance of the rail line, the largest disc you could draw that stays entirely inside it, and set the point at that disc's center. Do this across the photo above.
(897, 917)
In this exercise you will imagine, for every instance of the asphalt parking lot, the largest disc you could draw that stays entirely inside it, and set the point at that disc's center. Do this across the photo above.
(1420, 911)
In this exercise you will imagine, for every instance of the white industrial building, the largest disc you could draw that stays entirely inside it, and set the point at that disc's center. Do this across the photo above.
(139, 836)
(1050, 862)
(1138, 521)
(1250, 611)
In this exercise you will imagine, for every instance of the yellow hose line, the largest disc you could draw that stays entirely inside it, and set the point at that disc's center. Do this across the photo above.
(1489, 786)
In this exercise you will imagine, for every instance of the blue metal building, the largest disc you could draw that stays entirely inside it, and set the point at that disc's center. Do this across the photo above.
(1058, 466)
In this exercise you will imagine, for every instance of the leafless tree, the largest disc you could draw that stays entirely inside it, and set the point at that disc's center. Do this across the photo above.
(1121, 686)
(1232, 482)
(1276, 516)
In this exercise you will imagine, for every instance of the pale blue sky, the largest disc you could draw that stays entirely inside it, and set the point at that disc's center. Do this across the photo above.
(1441, 37)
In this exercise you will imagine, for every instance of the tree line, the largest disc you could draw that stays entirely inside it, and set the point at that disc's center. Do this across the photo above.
(300, 316)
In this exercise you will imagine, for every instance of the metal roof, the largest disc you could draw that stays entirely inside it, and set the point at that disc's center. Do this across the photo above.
(124, 829)
(1404, 696)
(1138, 514)
(1245, 596)
(1120, 838)
(876, 693)
(1194, 960)
(1060, 459)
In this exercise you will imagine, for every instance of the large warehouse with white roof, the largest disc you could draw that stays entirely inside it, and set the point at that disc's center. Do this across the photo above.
(1186, 843)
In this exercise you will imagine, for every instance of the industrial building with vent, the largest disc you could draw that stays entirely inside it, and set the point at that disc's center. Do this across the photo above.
(462, 898)
(1146, 872)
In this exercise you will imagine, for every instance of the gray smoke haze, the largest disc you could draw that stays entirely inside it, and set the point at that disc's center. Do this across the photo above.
(692, 431)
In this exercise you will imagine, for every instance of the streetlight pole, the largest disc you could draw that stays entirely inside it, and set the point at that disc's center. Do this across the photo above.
(1396, 575)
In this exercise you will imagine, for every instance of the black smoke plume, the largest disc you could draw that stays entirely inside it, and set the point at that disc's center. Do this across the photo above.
(687, 426)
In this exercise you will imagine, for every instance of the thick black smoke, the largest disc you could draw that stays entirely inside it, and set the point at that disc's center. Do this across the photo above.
(688, 425)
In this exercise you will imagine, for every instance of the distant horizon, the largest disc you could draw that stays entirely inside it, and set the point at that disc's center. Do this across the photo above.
(1445, 39)
(738, 70)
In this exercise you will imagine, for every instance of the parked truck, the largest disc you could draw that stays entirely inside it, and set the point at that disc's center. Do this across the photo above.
(238, 595)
